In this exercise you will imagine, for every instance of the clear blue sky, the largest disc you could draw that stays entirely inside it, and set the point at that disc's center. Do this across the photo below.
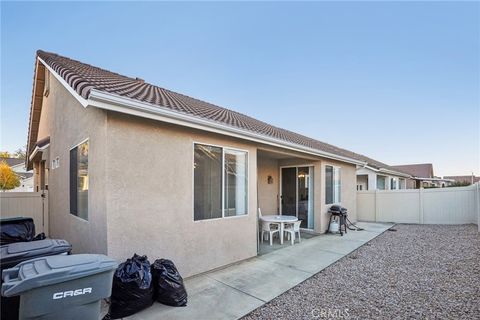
(398, 82)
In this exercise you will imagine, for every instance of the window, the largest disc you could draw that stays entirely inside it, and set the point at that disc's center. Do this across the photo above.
(332, 184)
(79, 180)
(235, 187)
(220, 182)
(394, 184)
(207, 182)
(380, 183)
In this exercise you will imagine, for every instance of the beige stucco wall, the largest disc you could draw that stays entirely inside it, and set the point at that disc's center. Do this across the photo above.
(68, 123)
(150, 198)
(348, 197)
(268, 193)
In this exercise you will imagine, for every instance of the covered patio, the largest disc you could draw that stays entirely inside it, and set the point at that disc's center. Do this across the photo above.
(288, 184)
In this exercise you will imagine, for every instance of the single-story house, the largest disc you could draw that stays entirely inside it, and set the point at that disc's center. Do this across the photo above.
(135, 168)
(423, 175)
(375, 175)
(25, 176)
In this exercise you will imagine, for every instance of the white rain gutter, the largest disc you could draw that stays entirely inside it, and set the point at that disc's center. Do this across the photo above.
(395, 173)
(387, 171)
(38, 149)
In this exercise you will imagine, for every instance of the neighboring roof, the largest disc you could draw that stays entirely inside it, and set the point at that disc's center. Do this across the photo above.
(13, 161)
(84, 79)
(463, 178)
(421, 170)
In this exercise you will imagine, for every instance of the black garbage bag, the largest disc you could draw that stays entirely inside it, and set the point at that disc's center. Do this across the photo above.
(16, 230)
(168, 284)
(132, 288)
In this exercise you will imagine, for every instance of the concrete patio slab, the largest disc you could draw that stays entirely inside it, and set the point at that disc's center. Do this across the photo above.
(343, 247)
(309, 259)
(207, 299)
(262, 279)
(236, 290)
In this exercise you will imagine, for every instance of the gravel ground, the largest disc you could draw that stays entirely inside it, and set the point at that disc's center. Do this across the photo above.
(419, 272)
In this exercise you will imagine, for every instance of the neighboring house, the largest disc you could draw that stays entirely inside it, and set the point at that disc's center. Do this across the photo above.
(376, 175)
(135, 168)
(25, 176)
(423, 175)
(471, 179)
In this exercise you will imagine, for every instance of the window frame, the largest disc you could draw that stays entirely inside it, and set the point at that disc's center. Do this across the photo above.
(247, 166)
(69, 177)
(334, 167)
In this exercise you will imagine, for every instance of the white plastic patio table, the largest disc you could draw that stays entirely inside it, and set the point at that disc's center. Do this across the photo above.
(279, 219)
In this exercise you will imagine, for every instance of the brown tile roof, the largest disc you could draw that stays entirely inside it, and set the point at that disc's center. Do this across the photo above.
(421, 170)
(83, 78)
(12, 161)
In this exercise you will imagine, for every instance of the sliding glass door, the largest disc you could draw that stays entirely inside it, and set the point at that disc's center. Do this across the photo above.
(297, 194)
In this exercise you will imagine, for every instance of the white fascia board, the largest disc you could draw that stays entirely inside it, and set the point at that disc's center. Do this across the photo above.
(386, 171)
(371, 168)
(395, 173)
(74, 93)
(36, 150)
(108, 101)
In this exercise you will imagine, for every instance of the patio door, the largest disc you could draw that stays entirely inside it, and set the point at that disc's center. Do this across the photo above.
(297, 194)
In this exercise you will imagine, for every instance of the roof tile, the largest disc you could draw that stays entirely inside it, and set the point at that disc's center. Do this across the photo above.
(83, 78)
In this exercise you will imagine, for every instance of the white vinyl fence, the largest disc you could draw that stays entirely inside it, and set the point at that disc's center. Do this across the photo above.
(456, 205)
(26, 204)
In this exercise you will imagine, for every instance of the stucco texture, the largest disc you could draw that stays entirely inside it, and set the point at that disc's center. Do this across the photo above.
(150, 198)
(268, 193)
(68, 123)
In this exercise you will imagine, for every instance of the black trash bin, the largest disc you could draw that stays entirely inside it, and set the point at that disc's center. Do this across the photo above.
(15, 253)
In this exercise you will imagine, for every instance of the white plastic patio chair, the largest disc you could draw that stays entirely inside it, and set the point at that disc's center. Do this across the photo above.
(270, 229)
(292, 229)
(273, 224)
(259, 213)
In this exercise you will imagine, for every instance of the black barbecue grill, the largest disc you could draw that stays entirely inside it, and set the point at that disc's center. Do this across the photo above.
(339, 213)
